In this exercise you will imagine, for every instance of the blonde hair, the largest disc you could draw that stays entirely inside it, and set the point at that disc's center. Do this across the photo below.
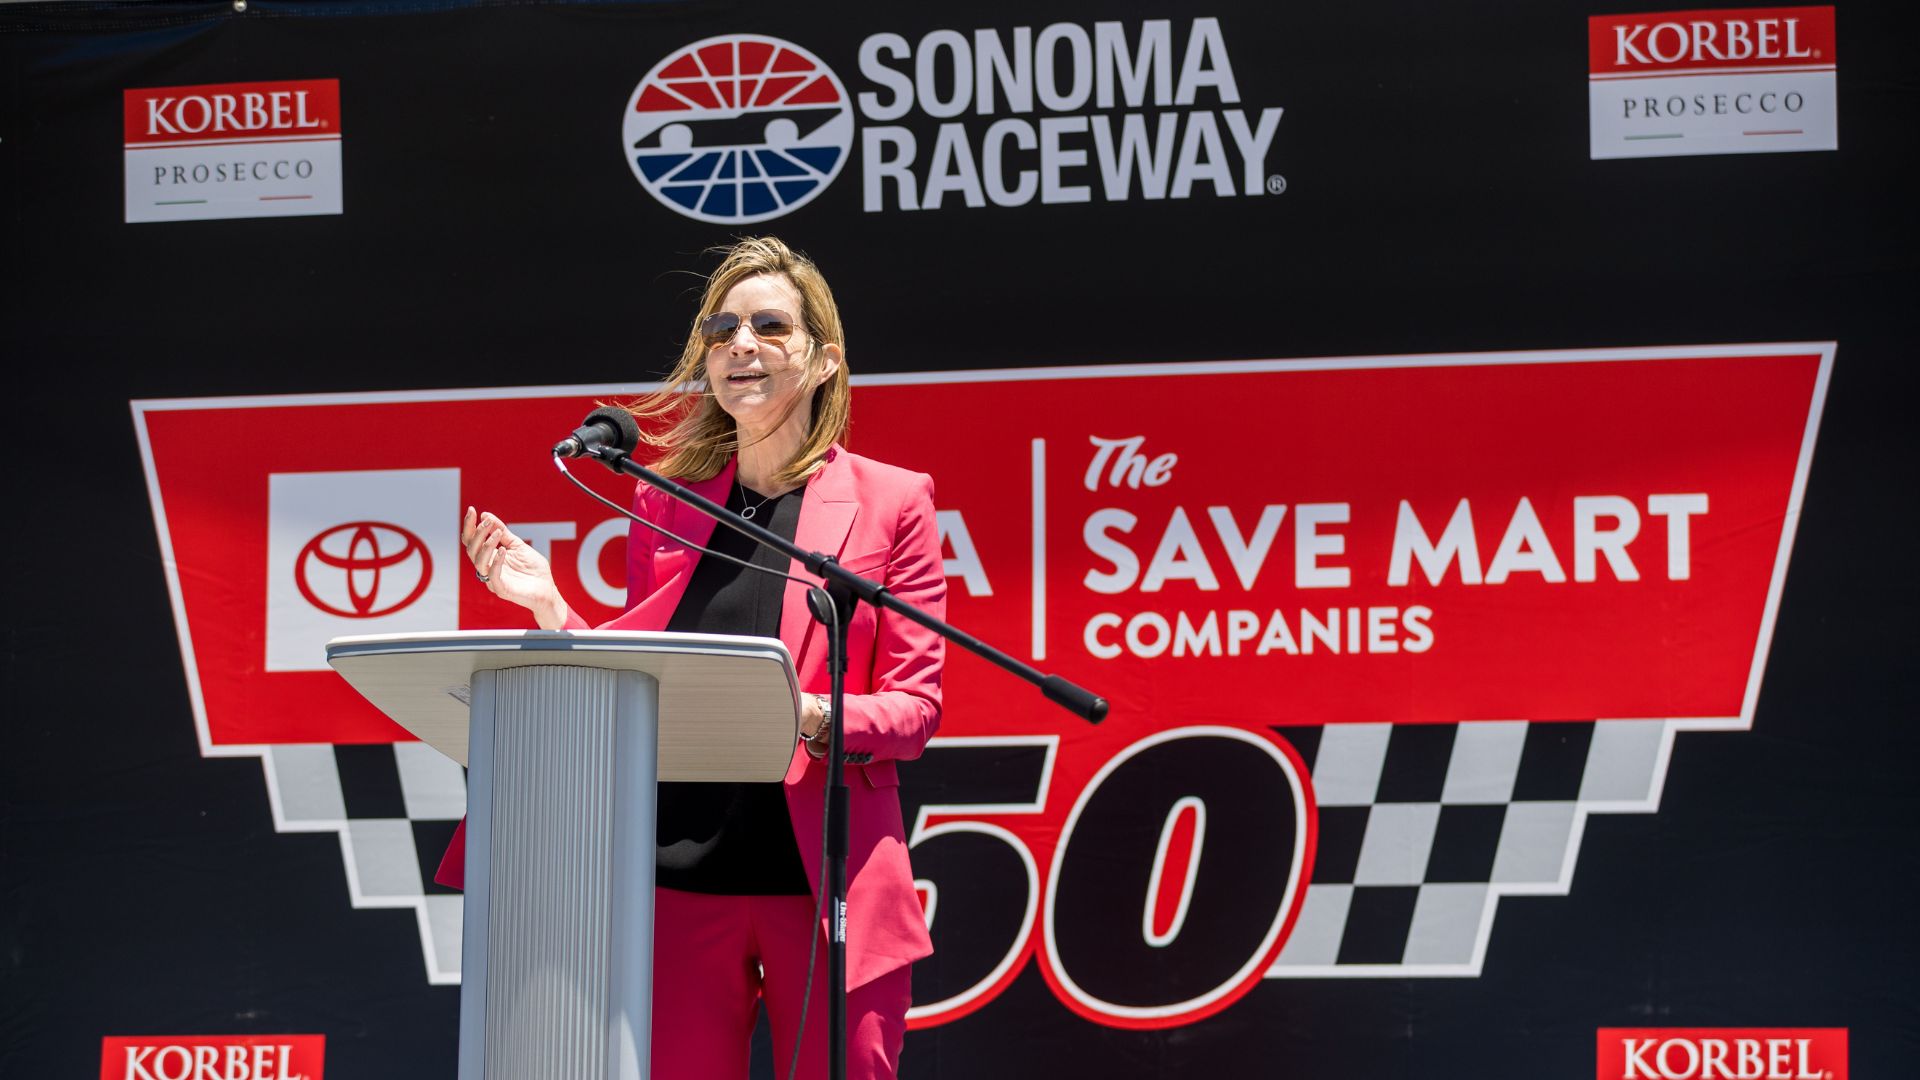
(700, 437)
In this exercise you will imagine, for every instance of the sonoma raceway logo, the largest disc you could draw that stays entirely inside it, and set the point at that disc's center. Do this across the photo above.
(738, 129)
(743, 128)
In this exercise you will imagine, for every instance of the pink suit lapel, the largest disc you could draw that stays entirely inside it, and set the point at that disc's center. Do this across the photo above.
(826, 518)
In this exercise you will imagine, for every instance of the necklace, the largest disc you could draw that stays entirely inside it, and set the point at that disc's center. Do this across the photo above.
(747, 512)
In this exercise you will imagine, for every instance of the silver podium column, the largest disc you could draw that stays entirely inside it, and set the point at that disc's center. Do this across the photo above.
(557, 962)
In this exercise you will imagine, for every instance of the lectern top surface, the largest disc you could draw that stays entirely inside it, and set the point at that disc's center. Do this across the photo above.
(728, 705)
(552, 640)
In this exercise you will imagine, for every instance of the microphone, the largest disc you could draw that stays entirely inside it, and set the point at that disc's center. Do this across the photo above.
(604, 428)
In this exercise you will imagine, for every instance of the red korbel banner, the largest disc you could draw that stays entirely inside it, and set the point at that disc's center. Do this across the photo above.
(212, 1057)
(1721, 1054)
(1351, 546)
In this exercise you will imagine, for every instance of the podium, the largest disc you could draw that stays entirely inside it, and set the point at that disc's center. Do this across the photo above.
(565, 735)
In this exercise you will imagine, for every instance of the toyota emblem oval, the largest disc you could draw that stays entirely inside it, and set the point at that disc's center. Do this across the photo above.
(376, 560)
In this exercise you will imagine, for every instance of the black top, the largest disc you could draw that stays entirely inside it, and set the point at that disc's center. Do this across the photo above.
(733, 839)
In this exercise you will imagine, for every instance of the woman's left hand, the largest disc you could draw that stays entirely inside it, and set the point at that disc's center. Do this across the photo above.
(810, 715)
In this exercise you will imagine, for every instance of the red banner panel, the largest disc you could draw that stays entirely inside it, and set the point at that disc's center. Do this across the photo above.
(1570, 537)
(1415, 541)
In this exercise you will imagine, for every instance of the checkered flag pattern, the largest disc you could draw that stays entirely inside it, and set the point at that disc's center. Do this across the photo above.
(395, 808)
(1423, 827)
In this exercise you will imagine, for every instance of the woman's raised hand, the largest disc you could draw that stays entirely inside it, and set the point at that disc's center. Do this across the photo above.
(511, 568)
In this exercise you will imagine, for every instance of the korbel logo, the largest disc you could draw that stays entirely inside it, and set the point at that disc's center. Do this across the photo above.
(373, 561)
(301, 109)
(220, 114)
(1704, 40)
(213, 1057)
(1721, 1054)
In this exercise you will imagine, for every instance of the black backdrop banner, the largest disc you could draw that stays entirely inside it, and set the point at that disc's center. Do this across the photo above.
(1617, 766)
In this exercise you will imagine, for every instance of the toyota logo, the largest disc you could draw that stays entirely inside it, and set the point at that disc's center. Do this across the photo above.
(362, 565)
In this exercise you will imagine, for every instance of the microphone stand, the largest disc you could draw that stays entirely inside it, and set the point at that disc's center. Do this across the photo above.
(845, 590)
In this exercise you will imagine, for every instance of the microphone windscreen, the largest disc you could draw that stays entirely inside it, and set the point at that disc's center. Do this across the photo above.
(621, 421)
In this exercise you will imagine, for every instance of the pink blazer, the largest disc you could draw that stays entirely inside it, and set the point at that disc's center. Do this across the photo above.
(878, 521)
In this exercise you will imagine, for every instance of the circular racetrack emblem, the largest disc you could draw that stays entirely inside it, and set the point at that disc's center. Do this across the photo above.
(738, 128)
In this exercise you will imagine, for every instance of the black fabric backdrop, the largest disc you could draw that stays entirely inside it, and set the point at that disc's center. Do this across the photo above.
(1440, 197)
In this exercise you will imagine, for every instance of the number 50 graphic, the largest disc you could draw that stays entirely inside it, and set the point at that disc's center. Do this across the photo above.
(1179, 868)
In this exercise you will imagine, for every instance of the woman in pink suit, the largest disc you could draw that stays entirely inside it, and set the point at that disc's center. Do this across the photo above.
(760, 400)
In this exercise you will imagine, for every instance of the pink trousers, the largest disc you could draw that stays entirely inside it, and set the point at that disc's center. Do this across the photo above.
(714, 957)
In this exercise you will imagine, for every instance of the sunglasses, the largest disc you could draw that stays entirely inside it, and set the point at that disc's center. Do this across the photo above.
(769, 326)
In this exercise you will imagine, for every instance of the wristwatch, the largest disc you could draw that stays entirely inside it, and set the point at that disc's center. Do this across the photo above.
(818, 740)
